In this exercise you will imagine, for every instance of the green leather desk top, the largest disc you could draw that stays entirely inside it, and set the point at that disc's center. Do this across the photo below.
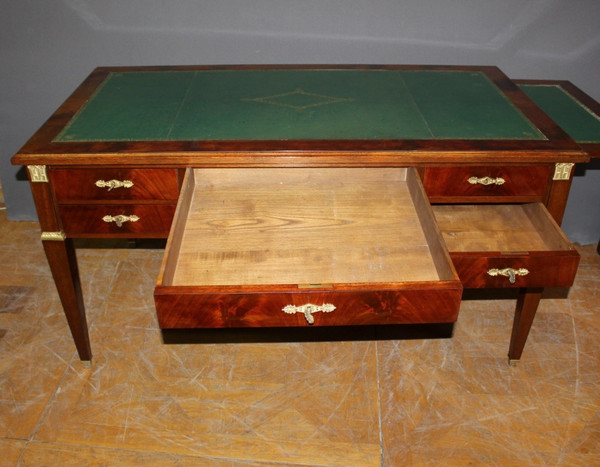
(572, 116)
(297, 104)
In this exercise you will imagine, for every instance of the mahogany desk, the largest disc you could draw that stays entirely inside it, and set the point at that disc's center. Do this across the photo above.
(313, 196)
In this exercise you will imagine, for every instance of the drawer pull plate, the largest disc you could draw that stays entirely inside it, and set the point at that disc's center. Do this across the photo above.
(508, 272)
(486, 181)
(308, 310)
(112, 184)
(120, 219)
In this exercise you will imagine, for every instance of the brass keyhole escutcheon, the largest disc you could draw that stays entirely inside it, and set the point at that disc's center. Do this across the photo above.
(112, 184)
(308, 310)
(120, 219)
(509, 272)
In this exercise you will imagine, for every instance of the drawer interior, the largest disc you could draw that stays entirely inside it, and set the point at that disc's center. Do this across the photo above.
(305, 226)
(500, 228)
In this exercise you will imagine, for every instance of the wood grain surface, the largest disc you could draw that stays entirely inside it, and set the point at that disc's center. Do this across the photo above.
(417, 303)
(508, 228)
(302, 226)
(79, 185)
(521, 184)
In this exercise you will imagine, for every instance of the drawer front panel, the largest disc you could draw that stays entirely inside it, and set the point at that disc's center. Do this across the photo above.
(117, 220)
(213, 310)
(482, 270)
(71, 185)
(526, 183)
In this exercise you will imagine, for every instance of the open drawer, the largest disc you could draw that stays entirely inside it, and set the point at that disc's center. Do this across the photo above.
(517, 245)
(304, 246)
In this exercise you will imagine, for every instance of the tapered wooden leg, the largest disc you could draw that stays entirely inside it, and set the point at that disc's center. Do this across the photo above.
(62, 260)
(63, 264)
(527, 304)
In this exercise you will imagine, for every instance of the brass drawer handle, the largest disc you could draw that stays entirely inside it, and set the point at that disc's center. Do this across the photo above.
(120, 219)
(508, 272)
(308, 310)
(111, 184)
(486, 181)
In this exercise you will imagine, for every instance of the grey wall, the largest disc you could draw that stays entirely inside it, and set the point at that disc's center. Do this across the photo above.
(47, 47)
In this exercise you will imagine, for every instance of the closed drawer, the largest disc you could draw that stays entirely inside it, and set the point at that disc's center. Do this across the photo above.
(75, 185)
(486, 183)
(301, 247)
(507, 246)
(117, 220)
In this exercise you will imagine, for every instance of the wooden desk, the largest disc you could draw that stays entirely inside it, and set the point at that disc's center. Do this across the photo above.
(302, 195)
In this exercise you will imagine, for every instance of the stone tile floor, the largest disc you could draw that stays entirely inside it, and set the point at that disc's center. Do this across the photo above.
(361, 402)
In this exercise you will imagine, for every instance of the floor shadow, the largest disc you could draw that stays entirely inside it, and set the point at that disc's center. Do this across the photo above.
(308, 334)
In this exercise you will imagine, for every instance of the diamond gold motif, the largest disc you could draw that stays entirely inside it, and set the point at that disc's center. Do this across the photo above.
(299, 100)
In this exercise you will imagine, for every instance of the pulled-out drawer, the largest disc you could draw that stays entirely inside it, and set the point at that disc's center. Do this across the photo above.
(507, 245)
(486, 183)
(304, 246)
(75, 185)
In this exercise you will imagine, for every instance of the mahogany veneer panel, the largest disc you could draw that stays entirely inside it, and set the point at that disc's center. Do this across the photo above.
(445, 184)
(201, 308)
(72, 185)
(86, 220)
(545, 269)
